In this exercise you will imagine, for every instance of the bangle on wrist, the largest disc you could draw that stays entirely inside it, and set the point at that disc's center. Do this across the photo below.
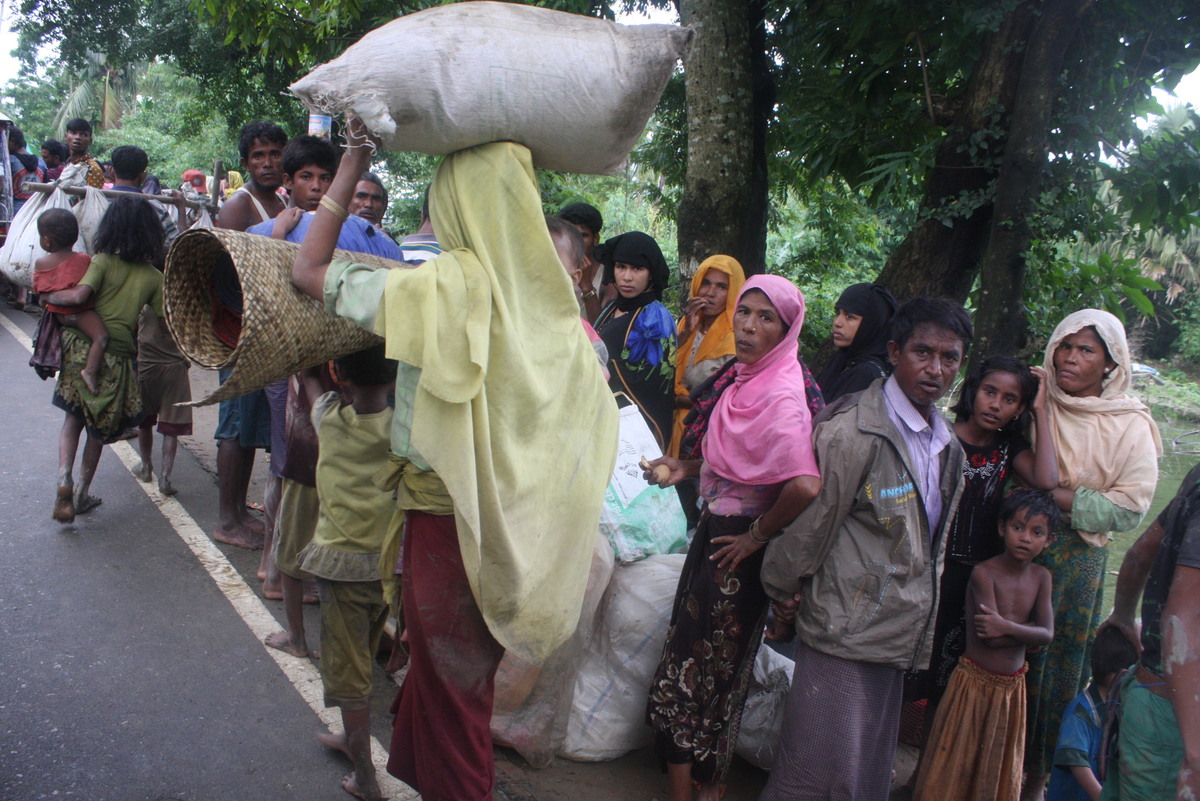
(756, 534)
(333, 207)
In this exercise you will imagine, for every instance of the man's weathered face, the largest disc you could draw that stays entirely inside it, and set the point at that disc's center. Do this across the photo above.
(308, 185)
(79, 142)
(927, 364)
(263, 161)
(51, 160)
(367, 202)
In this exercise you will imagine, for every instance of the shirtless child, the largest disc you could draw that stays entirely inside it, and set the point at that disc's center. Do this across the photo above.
(62, 268)
(977, 745)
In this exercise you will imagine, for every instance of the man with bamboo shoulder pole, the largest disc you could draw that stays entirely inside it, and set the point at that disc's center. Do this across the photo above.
(502, 443)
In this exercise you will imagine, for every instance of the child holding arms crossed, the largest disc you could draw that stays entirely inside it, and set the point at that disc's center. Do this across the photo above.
(345, 549)
(977, 745)
(62, 268)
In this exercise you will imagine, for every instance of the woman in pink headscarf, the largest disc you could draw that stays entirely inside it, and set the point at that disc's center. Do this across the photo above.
(757, 474)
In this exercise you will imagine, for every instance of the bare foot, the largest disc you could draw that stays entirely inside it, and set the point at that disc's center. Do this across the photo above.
(281, 641)
(335, 742)
(272, 590)
(254, 524)
(310, 592)
(86, 503)
(239, 537)
(89, 381)
(143, 472)
(165, 486)
(367, 789)
(64, 506)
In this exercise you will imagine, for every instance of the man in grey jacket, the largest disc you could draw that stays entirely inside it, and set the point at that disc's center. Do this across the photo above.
(858, 569)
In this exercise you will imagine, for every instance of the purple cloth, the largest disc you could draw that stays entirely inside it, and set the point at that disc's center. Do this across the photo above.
(277, 400)
(839, 733)
(924, 440)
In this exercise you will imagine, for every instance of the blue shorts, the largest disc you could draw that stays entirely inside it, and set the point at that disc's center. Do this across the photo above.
(246, 419)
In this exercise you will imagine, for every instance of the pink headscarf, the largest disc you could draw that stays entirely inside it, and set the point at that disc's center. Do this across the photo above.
(761, 429)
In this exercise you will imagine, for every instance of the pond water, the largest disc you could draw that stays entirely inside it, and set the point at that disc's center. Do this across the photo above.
(1171, 469)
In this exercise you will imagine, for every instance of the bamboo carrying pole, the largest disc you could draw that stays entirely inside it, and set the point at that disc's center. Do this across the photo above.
(30, 186)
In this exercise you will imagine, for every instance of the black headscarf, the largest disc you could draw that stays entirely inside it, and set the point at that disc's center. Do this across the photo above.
(875, 305)
(640, 250)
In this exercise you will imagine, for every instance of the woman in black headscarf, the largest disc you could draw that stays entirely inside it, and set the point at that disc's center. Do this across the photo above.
(639, 331)
(861, 331)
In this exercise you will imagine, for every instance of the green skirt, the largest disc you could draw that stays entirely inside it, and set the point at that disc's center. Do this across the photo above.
(1062, 669)
(116, 407)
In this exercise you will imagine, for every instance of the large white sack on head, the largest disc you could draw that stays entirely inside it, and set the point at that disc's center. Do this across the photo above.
(608, 712)
(577, 91)
(23, 246)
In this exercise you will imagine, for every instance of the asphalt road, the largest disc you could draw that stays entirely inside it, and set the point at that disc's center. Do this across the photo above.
(126, 672)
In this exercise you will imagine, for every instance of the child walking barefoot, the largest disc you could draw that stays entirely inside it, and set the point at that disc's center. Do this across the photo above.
(977, 745)
(345, 551)
(62, 268)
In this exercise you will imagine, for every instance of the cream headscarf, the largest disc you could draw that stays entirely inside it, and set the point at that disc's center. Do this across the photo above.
(1109, 444)
(511, 411)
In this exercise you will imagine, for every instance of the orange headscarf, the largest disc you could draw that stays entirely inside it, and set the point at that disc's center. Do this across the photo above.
(717, 342)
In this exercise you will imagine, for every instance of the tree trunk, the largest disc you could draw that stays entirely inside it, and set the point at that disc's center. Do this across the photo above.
(941, 254)
(723, 209)
(1000, 322)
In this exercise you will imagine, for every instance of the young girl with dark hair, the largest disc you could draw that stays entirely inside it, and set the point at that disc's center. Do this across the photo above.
(123, 278)
(988, 416)
(638, 330)
(861, 331)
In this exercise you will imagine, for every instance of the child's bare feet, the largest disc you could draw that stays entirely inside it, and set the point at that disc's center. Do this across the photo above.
(86, 503)
(310, 592)
(89, 379)
(143, 472)
(280, 640)
(272, 591)
(240, 537)
(64, 506)
(165, 486)
(366, 788)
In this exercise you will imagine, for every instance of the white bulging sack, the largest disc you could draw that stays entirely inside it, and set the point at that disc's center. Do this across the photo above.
(576, 90)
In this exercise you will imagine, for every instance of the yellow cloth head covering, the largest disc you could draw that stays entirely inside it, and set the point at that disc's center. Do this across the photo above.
(717, 342)
(511, 410)
(1109, 443)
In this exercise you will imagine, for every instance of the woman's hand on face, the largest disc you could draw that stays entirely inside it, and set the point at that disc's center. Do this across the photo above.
(1039, 400)
(737, 547)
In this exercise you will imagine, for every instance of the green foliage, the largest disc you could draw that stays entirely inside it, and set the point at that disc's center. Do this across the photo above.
(1187, 345)
(1159, 186)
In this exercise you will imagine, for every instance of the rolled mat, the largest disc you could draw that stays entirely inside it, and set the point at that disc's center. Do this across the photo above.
(283, 331)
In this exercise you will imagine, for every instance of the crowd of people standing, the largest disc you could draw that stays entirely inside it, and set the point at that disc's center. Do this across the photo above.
(842, 510)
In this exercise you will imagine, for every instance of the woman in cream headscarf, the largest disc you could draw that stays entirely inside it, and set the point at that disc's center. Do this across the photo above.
(1108, 448)
(705, 332)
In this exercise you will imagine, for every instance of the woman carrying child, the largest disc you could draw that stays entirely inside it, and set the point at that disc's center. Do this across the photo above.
(1108, 447)
(61, 268)
(757, 474)
(861, 330)
(987, 414)
(639, 332)
(122, 278)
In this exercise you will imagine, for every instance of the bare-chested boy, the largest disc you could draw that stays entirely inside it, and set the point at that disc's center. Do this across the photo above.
(62, 268)
(976, 749)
